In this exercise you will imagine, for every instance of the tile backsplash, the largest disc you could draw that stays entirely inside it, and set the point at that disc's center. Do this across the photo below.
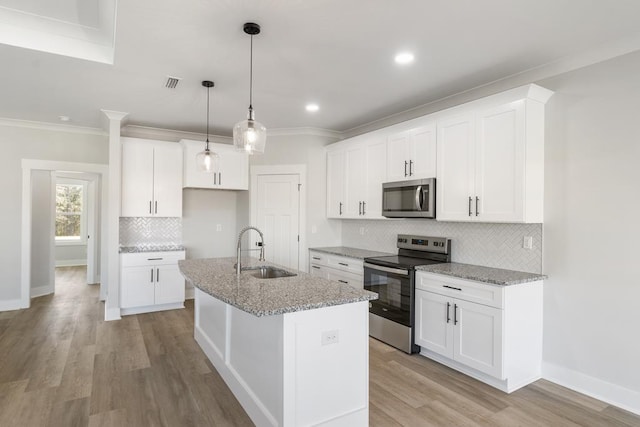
(138, 231)
(491, 245)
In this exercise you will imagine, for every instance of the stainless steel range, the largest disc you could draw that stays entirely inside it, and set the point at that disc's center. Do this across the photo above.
(391, 316)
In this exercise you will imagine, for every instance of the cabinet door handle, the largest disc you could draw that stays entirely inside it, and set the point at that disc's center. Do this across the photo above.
(405, 168)
(156, 206)
(154, 259)
(152, 275)
(315, 266)
(150, 206)
(157, 275)
(215, 179)
(364, 205)
(470, 200)
(343, 281)
(448, 306)
(344, 263)
(410, 167)
(219, 178)
(477, 200)
(451, 287)
(340, 208)
(455, 314)
(359, 208)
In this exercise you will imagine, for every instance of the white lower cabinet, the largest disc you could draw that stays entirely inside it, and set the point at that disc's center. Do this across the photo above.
(492, 333)
(151, 281)
(349, 271)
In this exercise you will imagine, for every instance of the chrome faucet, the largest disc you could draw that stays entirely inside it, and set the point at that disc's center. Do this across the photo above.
(238, 266)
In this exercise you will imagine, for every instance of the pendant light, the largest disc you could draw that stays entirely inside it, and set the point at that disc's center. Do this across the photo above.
(207, 160)
(248, 135)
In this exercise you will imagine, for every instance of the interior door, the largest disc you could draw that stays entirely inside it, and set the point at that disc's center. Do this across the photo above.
(278, 217)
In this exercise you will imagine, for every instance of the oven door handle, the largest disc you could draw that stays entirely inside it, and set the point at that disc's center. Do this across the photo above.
(399, 271)
(419, 197)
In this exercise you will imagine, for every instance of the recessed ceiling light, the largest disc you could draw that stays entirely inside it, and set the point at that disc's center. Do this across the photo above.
(64, 118)
(312, 108)
(404, 58)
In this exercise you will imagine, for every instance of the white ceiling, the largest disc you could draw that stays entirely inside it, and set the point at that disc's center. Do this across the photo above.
(336, 53)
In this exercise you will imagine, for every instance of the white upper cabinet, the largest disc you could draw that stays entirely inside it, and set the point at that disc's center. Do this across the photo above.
(490, 159)
(232, 169)
(355, 173)
(412, 154)
(151, 178)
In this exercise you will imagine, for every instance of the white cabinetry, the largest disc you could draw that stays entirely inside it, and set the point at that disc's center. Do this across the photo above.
(491, 332)
(151, 178)
(490, 159)
(232, 172)
(356, 170)
(349, 271)
(412, 154)
(151, 281)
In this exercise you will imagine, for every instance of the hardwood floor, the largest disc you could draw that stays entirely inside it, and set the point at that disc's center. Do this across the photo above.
(62, 365)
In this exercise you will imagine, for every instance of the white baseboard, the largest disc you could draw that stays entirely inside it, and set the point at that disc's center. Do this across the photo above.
(39, 291)
(613, 394)
(112, 313)
(151, 308)
(11, 304)
(71, 262)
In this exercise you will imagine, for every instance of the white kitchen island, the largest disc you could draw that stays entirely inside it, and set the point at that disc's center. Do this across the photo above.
(294, 350)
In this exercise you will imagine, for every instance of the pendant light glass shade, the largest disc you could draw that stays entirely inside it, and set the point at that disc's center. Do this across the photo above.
(250, 136)
(207, 160)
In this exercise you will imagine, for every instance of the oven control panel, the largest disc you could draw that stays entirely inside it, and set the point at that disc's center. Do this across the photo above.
(424, 243)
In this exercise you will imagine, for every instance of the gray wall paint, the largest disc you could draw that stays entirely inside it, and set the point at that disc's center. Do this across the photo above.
(491, 245)
(41, 230)
(27, 143)
(71, 255)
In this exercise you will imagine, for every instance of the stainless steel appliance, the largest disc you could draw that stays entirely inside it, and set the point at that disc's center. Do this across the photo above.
(391, 316)
(409, 199)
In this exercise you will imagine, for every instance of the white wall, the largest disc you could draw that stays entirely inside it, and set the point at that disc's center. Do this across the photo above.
(69, 255)
(41, 231)
(592, 203)
(19, 143)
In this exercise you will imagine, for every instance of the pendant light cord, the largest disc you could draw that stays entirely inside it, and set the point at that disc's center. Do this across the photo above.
(208, 91)
(251, 76)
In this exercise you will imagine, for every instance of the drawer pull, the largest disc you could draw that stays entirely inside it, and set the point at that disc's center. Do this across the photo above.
(344, 263)
(315, 266)
(451, 287)
(343, 281)
(316, 257)
(154, 259)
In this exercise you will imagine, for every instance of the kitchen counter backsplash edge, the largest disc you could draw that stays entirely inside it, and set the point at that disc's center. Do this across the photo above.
(494, 276)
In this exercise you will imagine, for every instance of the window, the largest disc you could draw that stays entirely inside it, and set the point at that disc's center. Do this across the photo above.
(70, 212)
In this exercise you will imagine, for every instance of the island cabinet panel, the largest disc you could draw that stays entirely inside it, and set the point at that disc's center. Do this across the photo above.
(301, 368)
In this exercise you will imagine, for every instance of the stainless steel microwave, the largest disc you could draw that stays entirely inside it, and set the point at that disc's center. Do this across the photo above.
(409, 199)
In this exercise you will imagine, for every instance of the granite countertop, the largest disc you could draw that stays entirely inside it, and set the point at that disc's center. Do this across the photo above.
(495, 276)
(350, 252)
(150, 248)
(265, 297)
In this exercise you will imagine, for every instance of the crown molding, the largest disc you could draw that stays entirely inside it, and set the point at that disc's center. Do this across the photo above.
(147, 132)
(56, 127)
(306, 131)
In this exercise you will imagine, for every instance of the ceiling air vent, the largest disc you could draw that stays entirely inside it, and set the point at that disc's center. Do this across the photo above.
(172, 82)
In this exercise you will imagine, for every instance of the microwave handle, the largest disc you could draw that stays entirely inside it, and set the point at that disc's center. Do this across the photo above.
(419, 198)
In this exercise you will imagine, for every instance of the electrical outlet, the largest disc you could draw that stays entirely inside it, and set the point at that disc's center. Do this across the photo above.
(527, 242)
(362, 231)
(218, 227)
(329, 337)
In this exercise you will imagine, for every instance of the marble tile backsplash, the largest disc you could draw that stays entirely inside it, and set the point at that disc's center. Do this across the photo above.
(147, 232)
(490, 245)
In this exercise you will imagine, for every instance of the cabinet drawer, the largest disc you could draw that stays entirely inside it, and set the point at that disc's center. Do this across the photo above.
(317, 258)
(151, 258)
(351, 279)
(482, 293)
(350, 265)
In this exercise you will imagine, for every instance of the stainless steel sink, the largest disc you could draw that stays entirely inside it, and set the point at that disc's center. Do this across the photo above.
(268, 272)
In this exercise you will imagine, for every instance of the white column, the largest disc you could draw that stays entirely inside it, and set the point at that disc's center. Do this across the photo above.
(111, 260)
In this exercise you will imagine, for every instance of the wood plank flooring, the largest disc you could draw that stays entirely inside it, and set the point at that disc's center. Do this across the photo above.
(62, 365)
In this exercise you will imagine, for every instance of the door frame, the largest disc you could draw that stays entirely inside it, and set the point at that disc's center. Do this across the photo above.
(301, 171)
(29, 165)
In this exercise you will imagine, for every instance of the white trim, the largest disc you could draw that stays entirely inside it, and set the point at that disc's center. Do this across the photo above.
(151, 308)
(610, 393)
(29, 165)
(327, 133)
(111, 313)
(40, 291)
(55, 127)
(300, 170)
(70, 263)
(146, 132)
(11, 304)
